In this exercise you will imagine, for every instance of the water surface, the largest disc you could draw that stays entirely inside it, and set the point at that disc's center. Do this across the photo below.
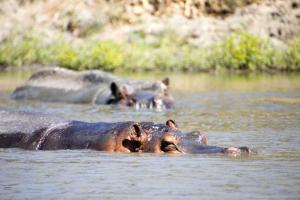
(260, 111)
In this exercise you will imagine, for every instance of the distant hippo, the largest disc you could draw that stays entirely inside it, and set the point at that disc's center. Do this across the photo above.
(40, 132)
(94, 86)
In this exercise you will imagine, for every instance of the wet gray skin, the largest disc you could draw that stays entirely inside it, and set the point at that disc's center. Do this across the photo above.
(35, 131)
(94, 86)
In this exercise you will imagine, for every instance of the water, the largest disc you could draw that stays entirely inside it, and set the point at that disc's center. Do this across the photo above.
(260, 111)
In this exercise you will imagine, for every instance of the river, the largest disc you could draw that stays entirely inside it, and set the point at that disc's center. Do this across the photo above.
(259, 111)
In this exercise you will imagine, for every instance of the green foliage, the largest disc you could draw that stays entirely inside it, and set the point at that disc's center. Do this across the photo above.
(19, 52)
(67, 56)
(104, 55)
(167, 51)
(242, 51)
(293, 55)
(138, 57)
(92, 55)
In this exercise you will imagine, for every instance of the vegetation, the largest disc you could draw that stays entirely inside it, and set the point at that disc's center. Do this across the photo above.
(243, 51)
(239, 51)
(292, 55)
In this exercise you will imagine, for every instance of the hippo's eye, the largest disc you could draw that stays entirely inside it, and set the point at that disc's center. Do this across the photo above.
(169, 147)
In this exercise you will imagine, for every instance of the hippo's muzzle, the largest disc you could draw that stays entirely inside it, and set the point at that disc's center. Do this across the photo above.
(194, 147)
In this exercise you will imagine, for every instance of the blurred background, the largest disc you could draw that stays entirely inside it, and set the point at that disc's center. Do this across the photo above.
(233, 67)
(139, 35)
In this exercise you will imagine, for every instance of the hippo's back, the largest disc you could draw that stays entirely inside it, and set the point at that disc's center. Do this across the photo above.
(25, 122)
(62, 85)
(24, 129)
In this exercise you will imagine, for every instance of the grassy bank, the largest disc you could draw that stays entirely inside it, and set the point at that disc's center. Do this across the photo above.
(239, 51)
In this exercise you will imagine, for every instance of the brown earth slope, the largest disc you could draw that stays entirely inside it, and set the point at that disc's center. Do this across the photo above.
(202, 22)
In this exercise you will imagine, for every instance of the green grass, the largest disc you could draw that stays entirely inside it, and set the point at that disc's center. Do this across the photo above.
(165, 52)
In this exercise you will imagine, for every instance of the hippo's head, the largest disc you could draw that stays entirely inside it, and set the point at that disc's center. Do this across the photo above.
(169, 139)
(123, 138)
(155, 97)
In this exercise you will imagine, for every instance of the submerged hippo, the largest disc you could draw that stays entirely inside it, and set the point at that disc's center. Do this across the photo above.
(40, 132)
(34, 131)
(94, 86)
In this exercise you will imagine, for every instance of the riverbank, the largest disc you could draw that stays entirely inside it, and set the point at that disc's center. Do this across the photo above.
(247, 36)
(239, 51)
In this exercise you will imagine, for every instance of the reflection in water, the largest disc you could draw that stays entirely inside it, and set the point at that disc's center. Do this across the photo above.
(260, 111)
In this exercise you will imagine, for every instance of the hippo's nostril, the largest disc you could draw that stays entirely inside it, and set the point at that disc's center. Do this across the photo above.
(247, 150)
(238, 151)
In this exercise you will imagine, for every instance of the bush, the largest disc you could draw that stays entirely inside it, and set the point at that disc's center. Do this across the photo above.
(66, 56)
(242, 51)
(293, 55)
(139, 57)
(101, 55)
(19, 51)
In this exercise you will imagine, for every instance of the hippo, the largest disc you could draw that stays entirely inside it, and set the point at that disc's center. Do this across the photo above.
(96, 87)
(36, 131)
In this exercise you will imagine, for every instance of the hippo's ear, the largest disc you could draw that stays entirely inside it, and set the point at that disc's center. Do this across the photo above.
(114, 89)
(137, 130)
(203, 139)
(171, 124)
(166, 81)
(118, 92)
